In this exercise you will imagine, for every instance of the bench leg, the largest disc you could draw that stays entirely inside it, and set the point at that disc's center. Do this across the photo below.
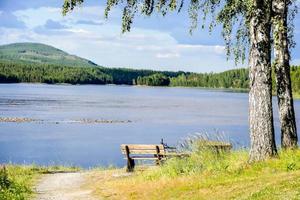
(130, 165)
(158, 161)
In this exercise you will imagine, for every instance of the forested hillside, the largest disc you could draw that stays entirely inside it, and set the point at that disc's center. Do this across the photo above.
(41, 54)
(45, 73)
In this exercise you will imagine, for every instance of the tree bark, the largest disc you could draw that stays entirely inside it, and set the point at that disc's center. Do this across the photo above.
(260, 96)
(289, 137)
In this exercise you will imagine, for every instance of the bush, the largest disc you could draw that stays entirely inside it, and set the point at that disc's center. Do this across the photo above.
(15, 182)
(4, 181)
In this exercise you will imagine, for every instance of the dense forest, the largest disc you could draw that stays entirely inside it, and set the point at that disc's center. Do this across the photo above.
(157, 79)
(43, 73)
(237, 78)
(130, 76)
(11, 72)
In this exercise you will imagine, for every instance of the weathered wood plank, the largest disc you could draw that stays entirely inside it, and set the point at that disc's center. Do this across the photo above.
(142, 151)
(146, 158)
(142, 146)
(214, 143)
(174, 154)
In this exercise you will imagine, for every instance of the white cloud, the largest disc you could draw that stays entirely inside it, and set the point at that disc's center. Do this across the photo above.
(167, 55)
(78, 30)
(38, 17)
(216, 49)
(105, 45)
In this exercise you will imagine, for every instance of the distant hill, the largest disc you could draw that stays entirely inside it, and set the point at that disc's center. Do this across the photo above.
(41, 54)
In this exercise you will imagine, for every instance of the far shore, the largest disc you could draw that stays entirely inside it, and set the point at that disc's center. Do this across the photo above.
(233, 90)
(75, 121)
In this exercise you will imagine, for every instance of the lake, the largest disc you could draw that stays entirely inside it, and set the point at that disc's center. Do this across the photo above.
(84, 125)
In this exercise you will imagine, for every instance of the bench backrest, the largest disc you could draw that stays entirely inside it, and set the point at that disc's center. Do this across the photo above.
(143, 149)
(215, 145)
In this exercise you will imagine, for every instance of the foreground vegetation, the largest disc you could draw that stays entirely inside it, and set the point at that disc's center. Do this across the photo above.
(16, 181)
(206, 175)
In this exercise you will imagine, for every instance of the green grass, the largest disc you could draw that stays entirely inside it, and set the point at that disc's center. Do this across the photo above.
(296, 95)
(206, 175)
(16, 181)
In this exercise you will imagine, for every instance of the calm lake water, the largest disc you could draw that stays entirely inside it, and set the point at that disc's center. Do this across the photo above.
(57, 137)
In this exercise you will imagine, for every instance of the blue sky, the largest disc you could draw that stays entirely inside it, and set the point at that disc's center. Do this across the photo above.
(154, 43)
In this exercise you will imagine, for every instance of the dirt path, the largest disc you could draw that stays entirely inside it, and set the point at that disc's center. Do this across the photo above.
(63, 186)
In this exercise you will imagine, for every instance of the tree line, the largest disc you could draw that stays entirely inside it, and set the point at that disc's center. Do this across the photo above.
(157, 79)
(16, 72)
(51, 74)
(237, 78)
(130, 76)
(231, 79)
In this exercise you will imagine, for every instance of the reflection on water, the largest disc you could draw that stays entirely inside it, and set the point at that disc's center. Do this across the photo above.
(153, 113)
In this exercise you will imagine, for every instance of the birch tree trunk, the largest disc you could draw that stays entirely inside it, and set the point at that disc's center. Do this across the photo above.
(260, 96)
(282, 70)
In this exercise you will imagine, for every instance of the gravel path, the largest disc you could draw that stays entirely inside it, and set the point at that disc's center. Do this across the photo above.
(63, 186)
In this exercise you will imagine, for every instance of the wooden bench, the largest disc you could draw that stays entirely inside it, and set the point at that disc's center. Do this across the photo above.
(156, 152)
(217, 146)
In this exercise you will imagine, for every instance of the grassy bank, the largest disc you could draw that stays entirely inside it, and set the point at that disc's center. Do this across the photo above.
(16, 182)
(296, 95)
(206, 176)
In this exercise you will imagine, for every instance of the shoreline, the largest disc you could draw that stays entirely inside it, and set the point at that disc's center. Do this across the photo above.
(74, 121)
(296, 96)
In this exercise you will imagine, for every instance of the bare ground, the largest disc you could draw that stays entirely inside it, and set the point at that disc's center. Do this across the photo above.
(63, 186)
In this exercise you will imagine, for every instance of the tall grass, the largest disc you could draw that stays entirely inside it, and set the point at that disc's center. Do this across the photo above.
(204, 159)
(210, 175)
